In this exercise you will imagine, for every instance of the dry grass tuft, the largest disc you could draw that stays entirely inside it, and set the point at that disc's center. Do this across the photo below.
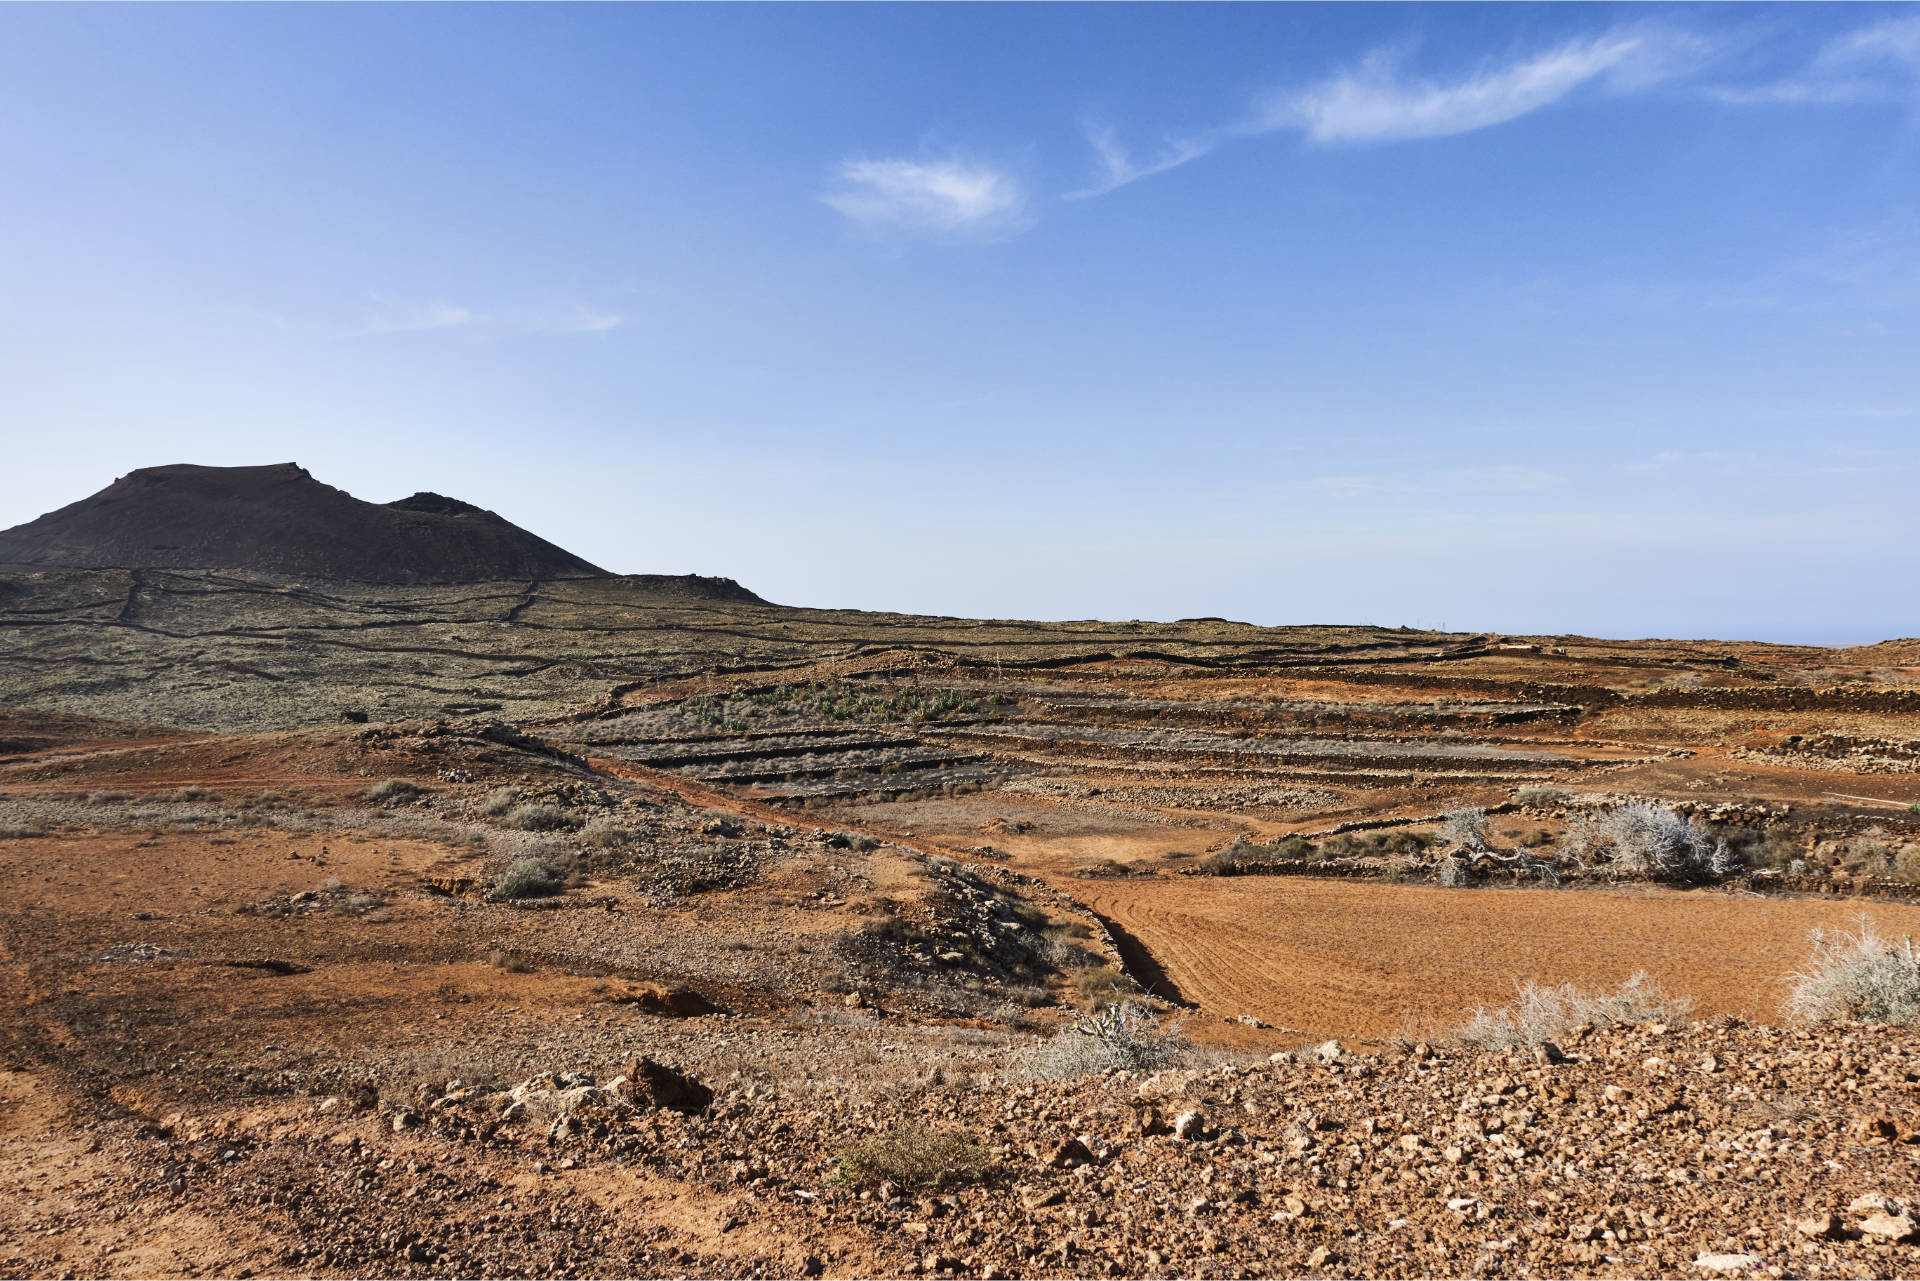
(1546, 1013)
(1127, 1035)
(1858, 977)
(536, 818)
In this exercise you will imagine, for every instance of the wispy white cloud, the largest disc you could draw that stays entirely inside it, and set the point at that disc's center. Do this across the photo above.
(1896, 40)
(1377, 102)
(1495, 478)
(1119, 167)
(391, 316)
(1875, 63)
(948, 196)
(575, 320)
(395, 316)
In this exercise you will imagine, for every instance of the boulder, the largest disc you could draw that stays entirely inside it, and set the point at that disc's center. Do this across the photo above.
(1889, 1227)
(668, 1002)
(649, 1084)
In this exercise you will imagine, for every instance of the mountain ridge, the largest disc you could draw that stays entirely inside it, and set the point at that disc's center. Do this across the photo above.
(278, 519)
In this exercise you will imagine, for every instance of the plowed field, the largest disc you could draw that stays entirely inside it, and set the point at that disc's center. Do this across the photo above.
(1351, 958)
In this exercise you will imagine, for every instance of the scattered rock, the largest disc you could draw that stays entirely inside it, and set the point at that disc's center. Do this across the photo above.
(1071, 1152)
(673, 1002)
(1728, 1262)
(1874, 1203)
(1889, 1227)
(655, 1085)
(1819, 1227)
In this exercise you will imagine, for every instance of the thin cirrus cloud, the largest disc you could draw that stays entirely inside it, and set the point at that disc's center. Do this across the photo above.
(392, 316)
(1377, 104)
(1877, 63)
(950, 196)
(1497, 478)
(387, 316)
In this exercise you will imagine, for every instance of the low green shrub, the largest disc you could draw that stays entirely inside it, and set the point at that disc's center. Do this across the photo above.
(527, 878)
(536, 818)
(914, 1156)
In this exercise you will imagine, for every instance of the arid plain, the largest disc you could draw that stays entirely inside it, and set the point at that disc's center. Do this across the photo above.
(316, 894)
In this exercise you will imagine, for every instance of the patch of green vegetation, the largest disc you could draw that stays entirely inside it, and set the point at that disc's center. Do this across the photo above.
(527, 878)
(913, 1156)
(1102, 987)
(1244, 856)
(838, 701)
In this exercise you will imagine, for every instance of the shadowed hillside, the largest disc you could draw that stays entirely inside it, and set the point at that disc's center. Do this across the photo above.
(280, 520)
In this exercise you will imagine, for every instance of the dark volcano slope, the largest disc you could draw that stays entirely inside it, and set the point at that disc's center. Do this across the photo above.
(280, 520)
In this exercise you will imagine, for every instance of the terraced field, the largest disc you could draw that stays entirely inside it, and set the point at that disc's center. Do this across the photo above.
(1111, 759)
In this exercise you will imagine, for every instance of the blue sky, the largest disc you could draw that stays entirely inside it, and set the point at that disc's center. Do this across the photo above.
(1555, 318)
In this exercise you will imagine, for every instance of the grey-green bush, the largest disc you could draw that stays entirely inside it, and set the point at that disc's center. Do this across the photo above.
(1126, 1035)
(1651, 840)
(604, 833)
(1544, 1013)
(527, 878)
(1466, 828)
(913, 1156)
(536, 818)
(1858, 977)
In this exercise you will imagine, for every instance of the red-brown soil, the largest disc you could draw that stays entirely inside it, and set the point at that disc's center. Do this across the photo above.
(893, 873)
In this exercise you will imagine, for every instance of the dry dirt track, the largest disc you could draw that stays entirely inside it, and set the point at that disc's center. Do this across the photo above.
(1344, 958)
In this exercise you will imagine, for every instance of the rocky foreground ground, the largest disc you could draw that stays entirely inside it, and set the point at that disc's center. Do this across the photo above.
(1713, 1149)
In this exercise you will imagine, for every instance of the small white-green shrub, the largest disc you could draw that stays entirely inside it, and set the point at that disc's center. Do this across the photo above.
(526, 878)
(1546, 1013)
(1466, 829)
(1858, 977)
(1126, 1035)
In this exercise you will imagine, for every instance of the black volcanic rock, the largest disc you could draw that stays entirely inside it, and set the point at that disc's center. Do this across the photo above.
(280, 520)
